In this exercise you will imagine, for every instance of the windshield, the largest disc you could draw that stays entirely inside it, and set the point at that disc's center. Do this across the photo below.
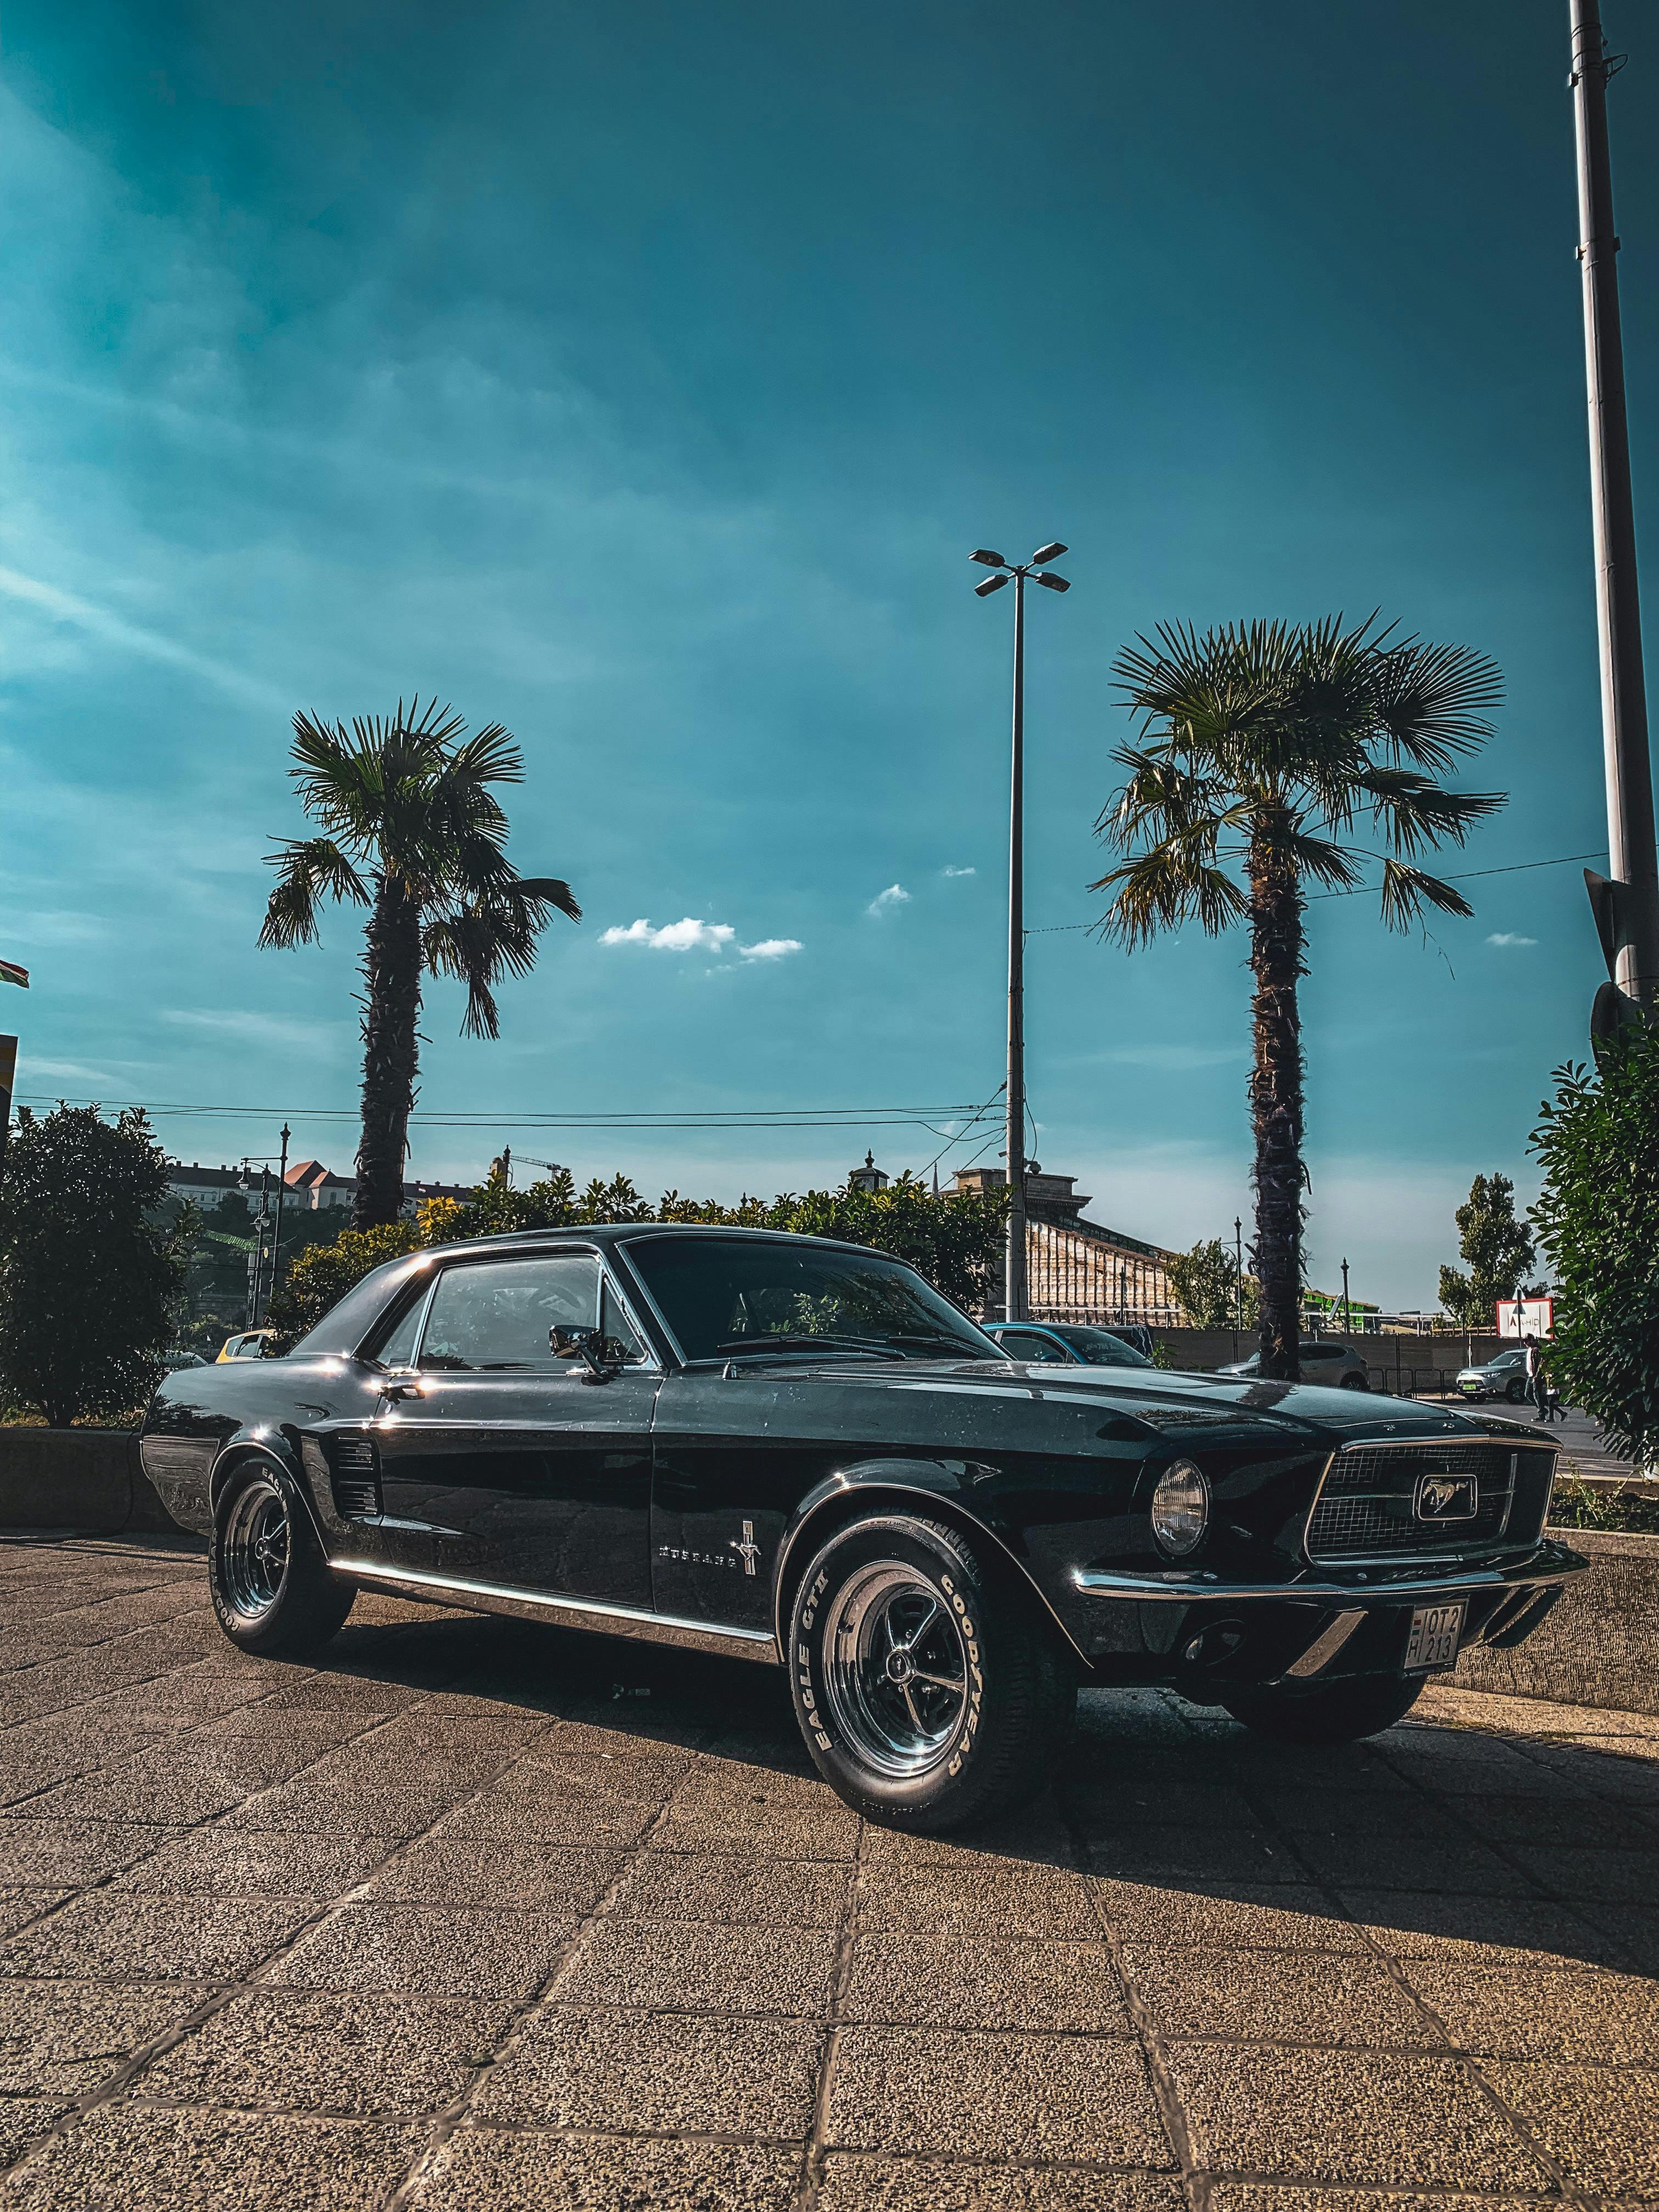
(1100, 1347)
(730, 1295)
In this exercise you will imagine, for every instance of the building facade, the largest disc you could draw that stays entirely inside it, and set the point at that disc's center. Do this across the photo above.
(1078, 1270)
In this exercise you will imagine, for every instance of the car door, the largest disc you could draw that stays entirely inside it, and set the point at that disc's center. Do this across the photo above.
(516, 1465)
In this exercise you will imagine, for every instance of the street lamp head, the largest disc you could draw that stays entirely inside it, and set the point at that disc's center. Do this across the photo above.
(991, 584)
(988, 560)
(1054, 583)
(1048, 553)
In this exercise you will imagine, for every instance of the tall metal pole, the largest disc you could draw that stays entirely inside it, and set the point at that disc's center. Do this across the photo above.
(276, 1234)
(1623, 704)
(1347, 1325)
(1238, 1281)
(1014, 1292)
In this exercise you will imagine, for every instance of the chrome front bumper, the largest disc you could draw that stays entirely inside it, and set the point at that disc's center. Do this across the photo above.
(1548, 1562)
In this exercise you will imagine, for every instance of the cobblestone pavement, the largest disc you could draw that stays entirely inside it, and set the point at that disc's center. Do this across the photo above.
(486, 1916)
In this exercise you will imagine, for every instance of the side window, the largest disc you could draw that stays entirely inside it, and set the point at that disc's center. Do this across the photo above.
(399, 1350)
(621, 1340)
(1026, 1344)
(495, 1314)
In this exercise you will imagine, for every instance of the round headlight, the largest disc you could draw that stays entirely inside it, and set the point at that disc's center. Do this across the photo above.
(1181, 1507)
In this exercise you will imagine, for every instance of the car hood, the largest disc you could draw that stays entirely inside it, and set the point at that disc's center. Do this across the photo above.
(1166, 1399)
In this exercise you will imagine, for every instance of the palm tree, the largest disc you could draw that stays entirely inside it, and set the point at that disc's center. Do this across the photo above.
(412, 832)
(1260, 746)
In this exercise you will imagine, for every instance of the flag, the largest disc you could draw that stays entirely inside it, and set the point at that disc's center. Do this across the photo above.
(11, 973)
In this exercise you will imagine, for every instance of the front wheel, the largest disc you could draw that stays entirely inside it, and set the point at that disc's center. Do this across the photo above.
(930, 1690)
(1515, 1393)
(1330, 1712)
(273, 1589)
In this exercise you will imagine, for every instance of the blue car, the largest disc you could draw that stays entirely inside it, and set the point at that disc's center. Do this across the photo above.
(1065, 1343)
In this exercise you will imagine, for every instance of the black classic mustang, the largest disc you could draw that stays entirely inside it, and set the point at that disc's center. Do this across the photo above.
(798, 1452)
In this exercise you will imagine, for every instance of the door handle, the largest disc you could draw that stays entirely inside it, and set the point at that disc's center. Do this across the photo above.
(396, 1391)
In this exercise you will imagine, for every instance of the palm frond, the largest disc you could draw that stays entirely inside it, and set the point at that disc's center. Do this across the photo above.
(1329, 864)
(494, 756)
(1435, 703)
(307, 870)
(1406, 890)
(553, 891)
(1162, 888)
(1415, 812)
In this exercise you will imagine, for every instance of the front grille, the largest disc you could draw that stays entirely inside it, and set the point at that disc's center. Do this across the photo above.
(1366, 1509)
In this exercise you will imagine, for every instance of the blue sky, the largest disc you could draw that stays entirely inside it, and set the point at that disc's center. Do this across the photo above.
(641, 378)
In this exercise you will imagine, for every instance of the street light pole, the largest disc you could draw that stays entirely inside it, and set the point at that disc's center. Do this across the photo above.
(1014, 1299)
(1629, 924)
(1347, 1325)
(1238, 1281)
(1014, 1289)
(276, 1234)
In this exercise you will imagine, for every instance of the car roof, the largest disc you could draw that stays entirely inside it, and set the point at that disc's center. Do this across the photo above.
(608, 1233)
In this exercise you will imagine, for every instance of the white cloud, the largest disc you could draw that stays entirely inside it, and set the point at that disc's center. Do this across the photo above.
(1510, 937)
(959, 872)
(258, 1029)
(771, 948)
(131, 637)
(686, 936)
(884, 902)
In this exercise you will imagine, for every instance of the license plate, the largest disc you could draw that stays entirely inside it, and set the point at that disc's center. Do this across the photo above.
(1434, 1638)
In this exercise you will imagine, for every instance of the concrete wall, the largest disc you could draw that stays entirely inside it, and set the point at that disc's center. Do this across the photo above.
(89, 1479)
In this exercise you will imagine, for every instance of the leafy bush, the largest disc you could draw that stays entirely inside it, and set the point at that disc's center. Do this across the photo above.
(955, 1240)
(321, 1275)
(1206, 1283)
(1600, 1505)
(89, 1279)
(1598, 1221)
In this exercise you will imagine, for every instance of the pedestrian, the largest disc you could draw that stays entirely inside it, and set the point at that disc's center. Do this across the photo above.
(1538, 1379)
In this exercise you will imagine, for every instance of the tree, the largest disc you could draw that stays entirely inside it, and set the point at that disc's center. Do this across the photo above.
(89, 1278)
(1598, 1221)
(1261, 747)
(412, 832)
(1498, 1249)
(954, 1240)
(321, 1274)
(1206, 1283)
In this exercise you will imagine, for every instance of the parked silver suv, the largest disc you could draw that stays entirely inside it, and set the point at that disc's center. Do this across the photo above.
(1333, 1366)
(1504, 1377)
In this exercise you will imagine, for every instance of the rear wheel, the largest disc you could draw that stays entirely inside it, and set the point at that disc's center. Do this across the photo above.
(1330, 1712)
(931, 1691)
(273, 1589)
(1355, 1382)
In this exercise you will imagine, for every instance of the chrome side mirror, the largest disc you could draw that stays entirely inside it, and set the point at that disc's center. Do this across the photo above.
(586, 1345)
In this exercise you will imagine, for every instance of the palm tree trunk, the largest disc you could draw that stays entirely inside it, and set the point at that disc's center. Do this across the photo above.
(1276, 946)
(391, 973)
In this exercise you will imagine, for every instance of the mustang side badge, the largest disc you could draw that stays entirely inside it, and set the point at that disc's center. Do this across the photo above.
(749, 1549)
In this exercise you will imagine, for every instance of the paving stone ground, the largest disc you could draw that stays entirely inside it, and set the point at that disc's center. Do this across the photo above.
(482, 1915)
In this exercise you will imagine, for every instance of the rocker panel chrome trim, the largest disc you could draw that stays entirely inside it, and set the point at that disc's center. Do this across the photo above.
(575, 1611)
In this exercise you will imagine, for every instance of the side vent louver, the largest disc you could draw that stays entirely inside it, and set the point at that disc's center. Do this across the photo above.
(353, 1468)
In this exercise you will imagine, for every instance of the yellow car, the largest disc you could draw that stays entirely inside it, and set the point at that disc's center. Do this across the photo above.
(251, 1344)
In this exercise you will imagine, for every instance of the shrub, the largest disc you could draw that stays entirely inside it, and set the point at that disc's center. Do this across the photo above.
(1598, 1221)
(89, 1279)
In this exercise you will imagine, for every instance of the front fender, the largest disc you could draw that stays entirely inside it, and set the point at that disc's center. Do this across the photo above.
(948, 1486)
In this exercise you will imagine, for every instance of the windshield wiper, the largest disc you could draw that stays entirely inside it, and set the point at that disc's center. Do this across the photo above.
(743, 1345)
(962, 1349)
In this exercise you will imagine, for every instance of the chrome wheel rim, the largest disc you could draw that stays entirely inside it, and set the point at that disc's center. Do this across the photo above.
(896, 1669)
(253, 1552)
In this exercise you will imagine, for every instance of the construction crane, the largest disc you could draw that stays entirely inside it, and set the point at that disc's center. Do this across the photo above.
(504, 1162)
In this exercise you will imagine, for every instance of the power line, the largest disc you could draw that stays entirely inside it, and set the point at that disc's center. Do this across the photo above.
(1358, 890)
(716, 1118)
